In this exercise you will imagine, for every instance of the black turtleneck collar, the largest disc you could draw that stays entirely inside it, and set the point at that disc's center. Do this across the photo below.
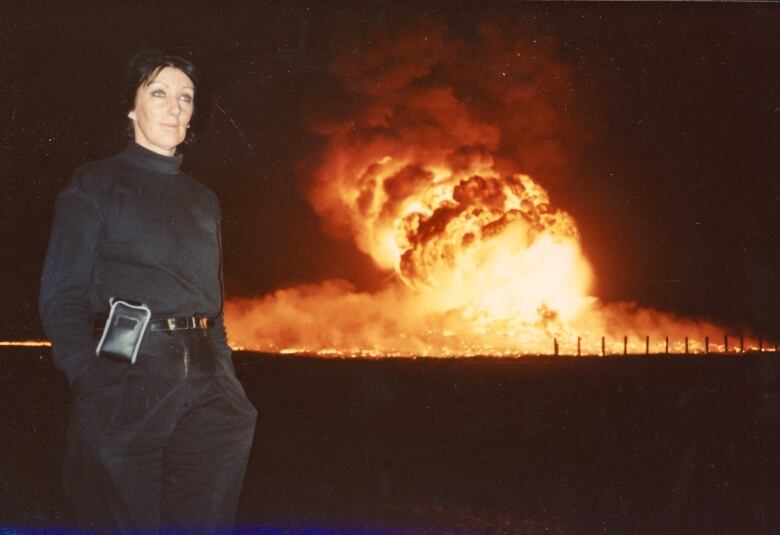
(142, 157)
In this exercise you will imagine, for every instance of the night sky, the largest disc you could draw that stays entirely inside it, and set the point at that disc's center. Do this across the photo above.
(671, 167)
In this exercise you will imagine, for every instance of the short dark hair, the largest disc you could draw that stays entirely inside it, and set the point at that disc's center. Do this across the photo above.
(143, 67)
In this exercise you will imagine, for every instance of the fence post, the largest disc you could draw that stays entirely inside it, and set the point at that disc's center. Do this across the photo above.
(625, 345)
(725, 343)
(603, 348)
(647, 345)
(686, 345)
(707, 345)
(667, 344)
(741, 343)
(555, 346)
(579, 343)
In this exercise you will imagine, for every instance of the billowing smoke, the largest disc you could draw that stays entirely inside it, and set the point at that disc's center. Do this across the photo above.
(430, 143)
(427, 102)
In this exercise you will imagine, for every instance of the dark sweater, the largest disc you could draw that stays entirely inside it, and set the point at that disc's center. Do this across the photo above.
(132, 227)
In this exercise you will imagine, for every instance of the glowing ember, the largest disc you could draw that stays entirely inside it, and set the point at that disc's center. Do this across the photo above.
(426, 185)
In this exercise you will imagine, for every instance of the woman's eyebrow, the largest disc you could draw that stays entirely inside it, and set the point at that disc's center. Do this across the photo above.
(166, 85)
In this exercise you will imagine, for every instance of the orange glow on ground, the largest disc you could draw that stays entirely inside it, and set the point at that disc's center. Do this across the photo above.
(423, 167)
(25, 343)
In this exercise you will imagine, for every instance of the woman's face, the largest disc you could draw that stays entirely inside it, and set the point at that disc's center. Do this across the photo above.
(162, 111)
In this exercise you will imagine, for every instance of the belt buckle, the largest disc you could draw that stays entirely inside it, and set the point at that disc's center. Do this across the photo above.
(202, 322)
(171, 324)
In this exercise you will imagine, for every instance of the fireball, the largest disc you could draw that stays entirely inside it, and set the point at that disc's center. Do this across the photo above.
(423, 171)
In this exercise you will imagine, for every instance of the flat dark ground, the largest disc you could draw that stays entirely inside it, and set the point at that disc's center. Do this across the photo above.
(615, 445)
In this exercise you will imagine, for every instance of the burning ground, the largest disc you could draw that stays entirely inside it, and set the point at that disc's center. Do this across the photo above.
(429, 146)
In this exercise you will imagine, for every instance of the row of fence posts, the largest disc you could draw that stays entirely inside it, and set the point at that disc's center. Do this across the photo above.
(666, 346)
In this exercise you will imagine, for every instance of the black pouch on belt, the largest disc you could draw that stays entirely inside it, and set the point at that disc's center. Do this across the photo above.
(124, 330)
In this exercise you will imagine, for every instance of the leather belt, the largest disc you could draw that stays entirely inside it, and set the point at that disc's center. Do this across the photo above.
(180, 323)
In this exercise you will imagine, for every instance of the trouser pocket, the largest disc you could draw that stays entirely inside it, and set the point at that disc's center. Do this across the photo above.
(100, 373)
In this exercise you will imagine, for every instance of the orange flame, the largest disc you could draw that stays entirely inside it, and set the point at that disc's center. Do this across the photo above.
(425, 185)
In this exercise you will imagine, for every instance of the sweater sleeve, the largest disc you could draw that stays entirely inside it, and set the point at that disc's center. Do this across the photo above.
(67, 273)
(219, 334)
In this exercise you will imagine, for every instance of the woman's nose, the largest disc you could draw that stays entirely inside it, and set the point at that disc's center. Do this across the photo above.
(174, 107)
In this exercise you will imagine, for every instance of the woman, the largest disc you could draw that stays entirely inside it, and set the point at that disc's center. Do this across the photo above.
(161, 443)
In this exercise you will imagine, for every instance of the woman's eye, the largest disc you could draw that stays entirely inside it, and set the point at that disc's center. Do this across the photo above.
(186, 98)
(158, 93)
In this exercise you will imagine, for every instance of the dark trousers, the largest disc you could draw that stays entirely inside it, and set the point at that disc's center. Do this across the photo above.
(161, 445)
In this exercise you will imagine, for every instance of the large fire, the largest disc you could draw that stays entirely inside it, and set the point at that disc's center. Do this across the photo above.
(425, 183)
